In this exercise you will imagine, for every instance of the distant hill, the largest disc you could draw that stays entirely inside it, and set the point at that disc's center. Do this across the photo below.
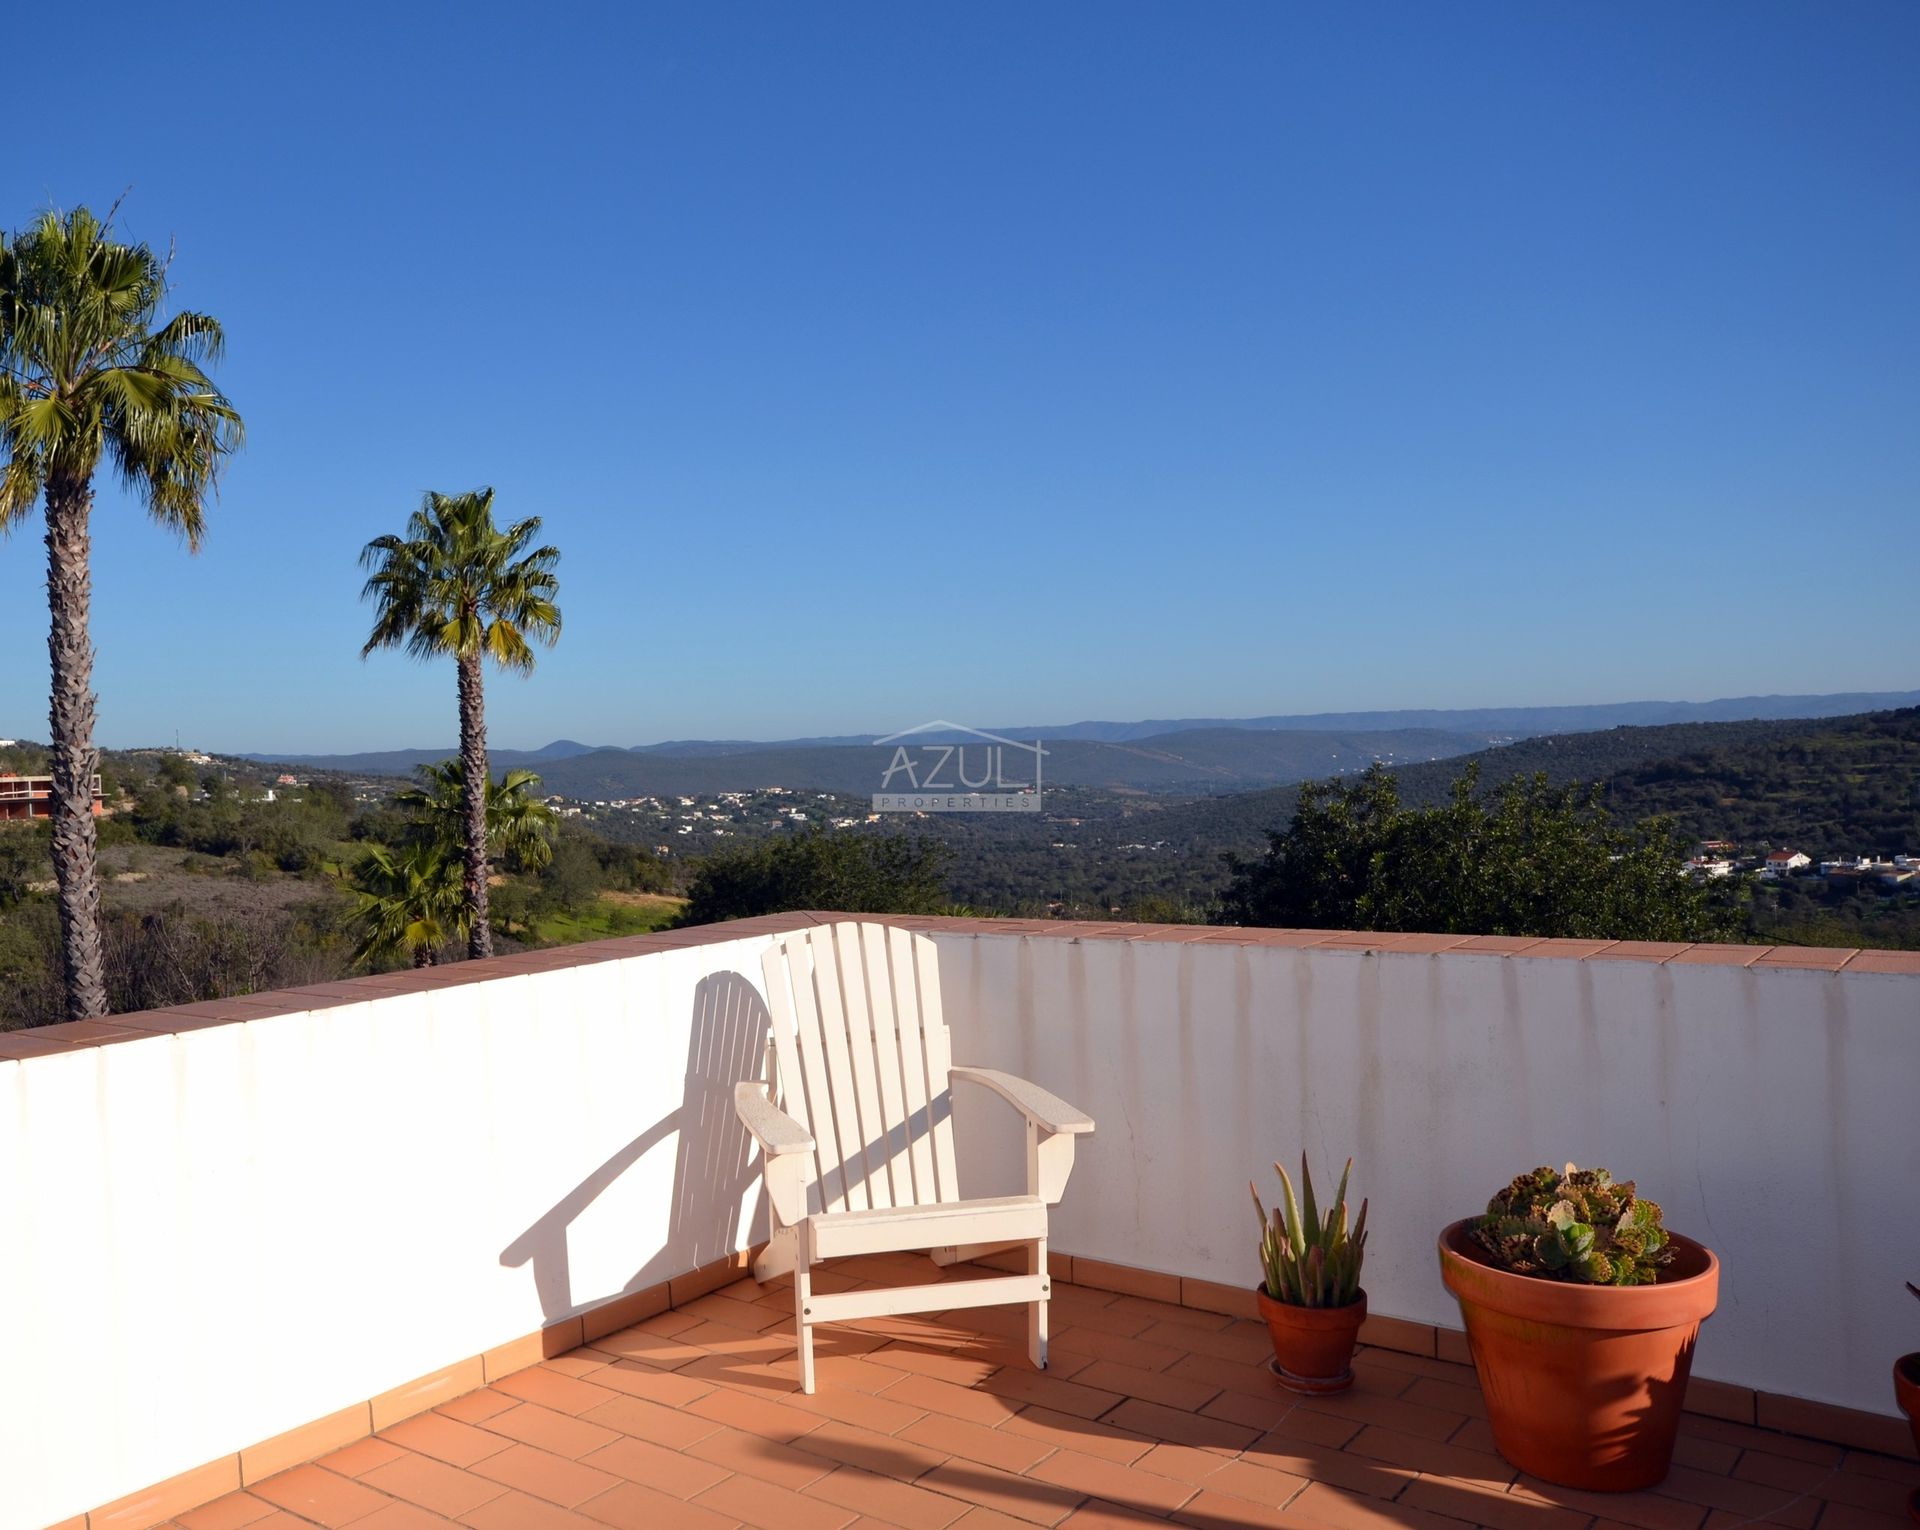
(1827, 786)
(1488, 723)
(1198, 761)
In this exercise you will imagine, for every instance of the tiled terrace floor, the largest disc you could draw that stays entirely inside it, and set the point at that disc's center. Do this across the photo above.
(1150, 1413)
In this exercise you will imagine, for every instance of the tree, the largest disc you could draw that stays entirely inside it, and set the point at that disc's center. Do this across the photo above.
(410, 902)
(854, 874)
(1526, 859)
(88, 369)
(519, 823)
(456, 585)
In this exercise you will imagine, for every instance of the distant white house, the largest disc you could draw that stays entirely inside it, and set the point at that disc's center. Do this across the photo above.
(1785, 862)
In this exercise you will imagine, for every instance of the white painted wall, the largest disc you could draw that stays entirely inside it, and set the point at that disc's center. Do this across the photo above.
(1771, 1112)
(208, 1239)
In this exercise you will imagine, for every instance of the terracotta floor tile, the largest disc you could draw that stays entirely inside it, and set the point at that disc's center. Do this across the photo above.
(228, 1513)
(1229, 1375)
(445, 1439)
(976, 1442)
(1242, 1343)
(563, 1394)
(1703, 1455)
(1257, 1484)
(433, 1485)
(364, 1455)
(1065, 1431)
(1480, 1504)
(650, 1421)
(1407, 1415)
(545, 1475)
(781, 1465)
(578, 1363)
(1178, 1427)
(977, 1518)
(1149, 1386)
(477, 1407)
(1642, 1511)
(1319, 1504)
(1436, 1457)
(898, 1503)
(632, 1506)
(1097, 1478)
(561, 1433)
(654, 1466)
(881, 1412)
(1184, 1463)
(1109, 1346)
(1126, 1322)
(1747, 1437)
(761, 1504)
(1456, 1398)
(931, 1395)
(638, 1379)
(1097, 1514)
(960, 1368)
(1027, 1498)
(1208, 1510)
(403, 1516)
(641, 1342)
(1029, 1386)
(1738, 1497)
(520, 1511)
(755, 1414)
(322, 1496)
(1863, 1463)
(882, 1454)
(1843, 1516)
(1321, 1463)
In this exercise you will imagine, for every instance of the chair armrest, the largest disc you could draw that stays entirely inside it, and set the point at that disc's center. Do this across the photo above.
(777, 1132)
(1047, 1111)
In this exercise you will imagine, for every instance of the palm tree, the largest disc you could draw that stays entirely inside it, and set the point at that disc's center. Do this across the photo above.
(410, 902)
(455, 584)
(89, 370)
(519, 822)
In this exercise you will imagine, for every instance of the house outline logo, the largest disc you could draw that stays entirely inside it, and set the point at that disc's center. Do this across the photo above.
(931, 789)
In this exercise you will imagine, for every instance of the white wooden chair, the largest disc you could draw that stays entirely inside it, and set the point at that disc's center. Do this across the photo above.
(858, 1141)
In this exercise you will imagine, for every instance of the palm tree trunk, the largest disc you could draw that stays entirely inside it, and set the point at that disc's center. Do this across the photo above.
(75, 760)
(473, 765)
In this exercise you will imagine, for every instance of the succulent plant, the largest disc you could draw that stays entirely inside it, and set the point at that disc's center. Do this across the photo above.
(1577, 1225)
(1308, 1260)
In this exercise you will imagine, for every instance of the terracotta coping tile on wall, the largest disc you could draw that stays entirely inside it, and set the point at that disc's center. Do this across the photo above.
(1429, 944)
(1807, 957)
(1570, 950)
(1641, 951)
(1884, 961)
(1719, 955)
(17, 1044)
(1258, 937)
(1495, 945)
(70, 1034)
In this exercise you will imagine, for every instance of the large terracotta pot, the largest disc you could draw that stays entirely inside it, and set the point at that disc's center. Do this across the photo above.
(1906, 1388)
(1583, 1383)
(1313, 1346)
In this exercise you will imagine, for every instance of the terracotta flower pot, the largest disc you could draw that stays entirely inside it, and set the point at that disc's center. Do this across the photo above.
(1583, 1383)
(1906, 1389)
(1313, 1346)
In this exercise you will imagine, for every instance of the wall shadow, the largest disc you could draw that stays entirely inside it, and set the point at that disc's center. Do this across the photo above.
(713, 1165)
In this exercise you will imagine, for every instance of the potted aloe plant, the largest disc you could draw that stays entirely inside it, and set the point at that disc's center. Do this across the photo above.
(1906, 1388)
(1310, 1292)
(1582, 1310)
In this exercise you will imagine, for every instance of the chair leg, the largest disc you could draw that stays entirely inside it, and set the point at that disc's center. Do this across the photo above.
(1037, 1311)
(802, 1322)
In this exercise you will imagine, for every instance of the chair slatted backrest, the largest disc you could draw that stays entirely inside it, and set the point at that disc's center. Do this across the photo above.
(863, 1060)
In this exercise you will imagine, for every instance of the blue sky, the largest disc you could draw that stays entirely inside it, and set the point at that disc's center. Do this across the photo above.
(1016, 363)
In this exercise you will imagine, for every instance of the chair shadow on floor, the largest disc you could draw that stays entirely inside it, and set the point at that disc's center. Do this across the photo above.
(713, 1165)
